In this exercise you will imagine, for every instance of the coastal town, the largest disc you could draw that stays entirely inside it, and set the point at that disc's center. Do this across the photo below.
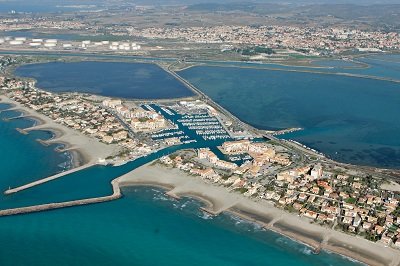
(258, 169)
(199, 132)
(313, 41)
(246, 40)
(353, 204)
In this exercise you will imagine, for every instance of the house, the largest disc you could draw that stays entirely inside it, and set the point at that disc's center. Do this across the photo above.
(225, 164)
(236, 147)
(367, 226)
(316, 172)
(386, 240)
(310, 214)
(347, 220)
(108, 139)
(357, 221)
(302, 197)
(397, 243)
(206, 173)
(379, 229)
(207, 154)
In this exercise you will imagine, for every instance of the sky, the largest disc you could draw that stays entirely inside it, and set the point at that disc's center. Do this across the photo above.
(67, 5)
(41, 2)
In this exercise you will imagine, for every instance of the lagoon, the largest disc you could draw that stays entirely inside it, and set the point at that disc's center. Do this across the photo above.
(111, 79)
(353, 120)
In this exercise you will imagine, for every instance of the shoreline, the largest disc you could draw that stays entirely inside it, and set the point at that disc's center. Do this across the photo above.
(264, 66)
(318, 71)
(77, 158)
(82, 148)
(217, 199)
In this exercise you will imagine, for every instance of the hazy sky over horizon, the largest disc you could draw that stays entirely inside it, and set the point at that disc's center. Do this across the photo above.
(39, 2)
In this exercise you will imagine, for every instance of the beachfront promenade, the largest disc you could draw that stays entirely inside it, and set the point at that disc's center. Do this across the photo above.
(48, 179)
(50, 206)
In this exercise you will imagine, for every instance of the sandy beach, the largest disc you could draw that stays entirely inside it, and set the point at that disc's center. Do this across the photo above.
(219, 199)
(84, 149)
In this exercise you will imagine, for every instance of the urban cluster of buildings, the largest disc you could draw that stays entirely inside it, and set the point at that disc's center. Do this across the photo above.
(42, 22)
(259, 151)
(210, 167)
(213, 173)
(6, 61)
(140, 120)
(15, 84)
(74, 112)
(354, 204)
(305, 39)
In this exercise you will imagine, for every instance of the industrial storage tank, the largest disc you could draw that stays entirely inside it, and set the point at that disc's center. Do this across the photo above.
(49, 45)
(35, 44)
(15, 42)
(20, 39)
(51, 41)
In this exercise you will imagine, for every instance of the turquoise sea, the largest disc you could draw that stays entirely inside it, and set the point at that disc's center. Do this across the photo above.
(350, 119)
(143, 228)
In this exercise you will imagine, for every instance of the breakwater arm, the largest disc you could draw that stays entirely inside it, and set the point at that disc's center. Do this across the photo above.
(48, 179)
(50, 206)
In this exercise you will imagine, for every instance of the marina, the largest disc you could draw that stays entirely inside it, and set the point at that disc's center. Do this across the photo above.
(222, 133)
(194, 125)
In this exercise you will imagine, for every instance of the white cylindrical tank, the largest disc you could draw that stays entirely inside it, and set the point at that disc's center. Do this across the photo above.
(14, 42)
(20, 39)
(105, 42)
(67, 45)
(37, 40)
(87, 42)
(51, 41)
(50, 45)
(35, 44)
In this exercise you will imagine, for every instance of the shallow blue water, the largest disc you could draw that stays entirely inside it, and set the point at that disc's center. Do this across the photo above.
(146, 228)
(350, 119)
(143, 228)
(124, 80)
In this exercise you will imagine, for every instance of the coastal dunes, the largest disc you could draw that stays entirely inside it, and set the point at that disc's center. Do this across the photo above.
(219, 199)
